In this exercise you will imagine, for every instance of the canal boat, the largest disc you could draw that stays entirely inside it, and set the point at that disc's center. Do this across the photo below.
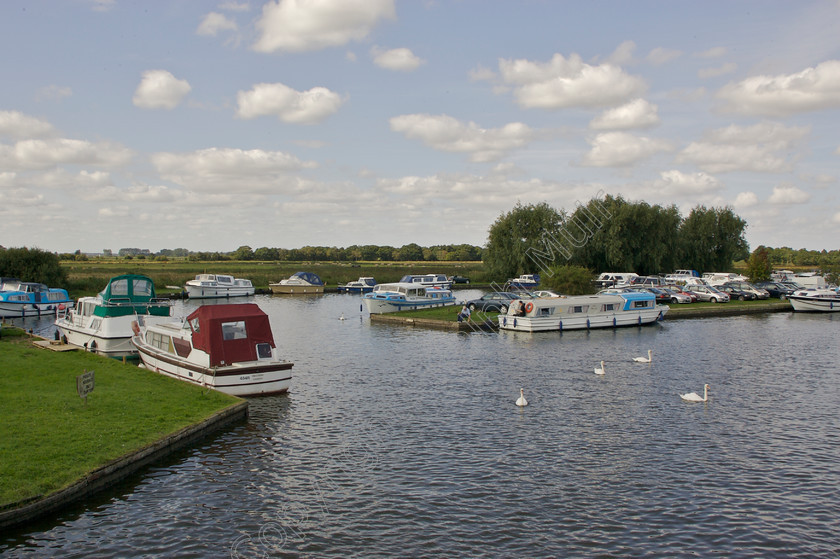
(212, 286)
(428, 280)
(228, 347)
(102, 324)
(27, 298)
(401, 296)
(361, 285)
(299, 283)
(606, 310)
(815, 300)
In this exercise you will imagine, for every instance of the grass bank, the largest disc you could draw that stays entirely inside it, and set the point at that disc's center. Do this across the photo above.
(51, 438)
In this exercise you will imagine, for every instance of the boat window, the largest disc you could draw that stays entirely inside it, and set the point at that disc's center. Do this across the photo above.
(609, 307)
(545, 311)
(580, 309)
(142, 287)
(264, 351)
(234, 330)
(195, 325)
(158, 340)
(119, 287)
(642, 304)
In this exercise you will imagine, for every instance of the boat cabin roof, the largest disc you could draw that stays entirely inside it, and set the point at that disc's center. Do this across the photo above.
(230, 333)
(132, 287)
(308, 277)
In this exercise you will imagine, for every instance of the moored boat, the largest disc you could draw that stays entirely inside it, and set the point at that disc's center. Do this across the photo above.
(227, 347)
(607, 310)
(208, 286)
(400, 296)
(815, 300)
(428, 280)
(523, 282)
(27, 298)
(102, 324)
(298, 283)
(364, 284)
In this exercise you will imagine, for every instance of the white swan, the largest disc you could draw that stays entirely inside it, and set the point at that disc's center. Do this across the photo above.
(694, 397)
(342, 317)
(600, 371)
(647, 359)
(521, 401)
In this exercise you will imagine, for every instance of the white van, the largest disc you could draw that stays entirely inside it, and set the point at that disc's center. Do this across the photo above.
(613, 279)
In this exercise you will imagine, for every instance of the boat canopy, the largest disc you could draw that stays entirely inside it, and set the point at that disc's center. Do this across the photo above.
(136, 288)
(230, 333)
(308, 277)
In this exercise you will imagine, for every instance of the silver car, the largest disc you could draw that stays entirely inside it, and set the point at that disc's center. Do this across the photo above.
(708, 294)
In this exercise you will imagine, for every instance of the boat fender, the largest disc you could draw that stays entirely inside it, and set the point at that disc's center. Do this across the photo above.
(529, 306)
(135, 327)
(514, 323)
(504, 321)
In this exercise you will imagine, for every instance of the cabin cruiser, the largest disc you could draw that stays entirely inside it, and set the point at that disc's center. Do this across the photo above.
(206, 286)
(815, 300)
(361, 285)
(102, 324)
(428, 280)
(299, 282)
(525, 281)
(227, 347)
(27, 298)
(605, 310)
(401, 296)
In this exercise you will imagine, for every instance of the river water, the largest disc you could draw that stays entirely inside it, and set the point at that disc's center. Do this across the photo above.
(397, 441)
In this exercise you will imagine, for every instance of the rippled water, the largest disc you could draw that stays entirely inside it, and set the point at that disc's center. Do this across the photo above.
(400, 441)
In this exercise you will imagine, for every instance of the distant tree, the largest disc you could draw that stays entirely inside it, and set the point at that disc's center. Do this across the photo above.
(569, 279)
(266, 254)
(32, 265)
(410, 252)
(758, 266)
(711, 239)
(243, 253)
(517, 232)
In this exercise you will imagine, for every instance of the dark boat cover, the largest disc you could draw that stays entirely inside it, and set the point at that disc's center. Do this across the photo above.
(230, 333)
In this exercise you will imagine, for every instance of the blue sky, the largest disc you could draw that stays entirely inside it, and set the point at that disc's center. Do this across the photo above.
(212, 125)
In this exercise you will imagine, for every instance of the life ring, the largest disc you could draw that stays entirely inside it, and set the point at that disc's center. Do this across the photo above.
(529, 306)
(135, 327)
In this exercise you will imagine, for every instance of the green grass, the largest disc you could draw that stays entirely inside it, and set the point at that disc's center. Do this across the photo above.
(51, 438)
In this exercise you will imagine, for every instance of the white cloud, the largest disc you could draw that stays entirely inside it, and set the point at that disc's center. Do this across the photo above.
(661, 55)
(231, 170)
(788, 195)
(715, 52)
(562, 83)
(298, 25)
(44, 154)
(836, 218)
(481, 73)
(635, 114)
(745, 200)
(728, 68)
(623, 54)
(401, 59)
(445, 133)
(677, 183)
(811, 89)
(215, 22)
(53, 93)
(277, 99)
(619, 149)
(760, 148)
(159, 89)
(15, 124)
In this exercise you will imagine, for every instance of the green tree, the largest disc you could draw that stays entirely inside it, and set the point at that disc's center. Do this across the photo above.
(569, 279)
(758, 266)
(711, 239)
(243, 253)
(516, 241)
(32, 265)
(410, 252)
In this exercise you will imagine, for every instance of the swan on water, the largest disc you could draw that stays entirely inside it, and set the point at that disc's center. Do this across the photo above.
(695, 397)
(647, 359)
(521, 401)
(342, 317)
(600, 371)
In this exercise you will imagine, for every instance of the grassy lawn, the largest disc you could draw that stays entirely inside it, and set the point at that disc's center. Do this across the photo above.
(51, 438)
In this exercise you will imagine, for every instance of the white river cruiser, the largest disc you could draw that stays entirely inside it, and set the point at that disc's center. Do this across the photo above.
(102, 324)
(27, 298)
(227, 347)
(606, 310)
(364, 284)
(299, 283)
(815, 300)
(401, 296)
(211, 286)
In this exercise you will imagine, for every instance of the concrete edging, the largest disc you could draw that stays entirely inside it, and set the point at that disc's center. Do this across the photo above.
(111, 473)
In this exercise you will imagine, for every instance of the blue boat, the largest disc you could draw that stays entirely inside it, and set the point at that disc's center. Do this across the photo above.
(394, 297)
(525, 281)
(26, 298)
(428, 280)
(361, 285)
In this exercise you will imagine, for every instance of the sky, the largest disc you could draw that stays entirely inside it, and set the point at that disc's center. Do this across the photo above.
(214, 125)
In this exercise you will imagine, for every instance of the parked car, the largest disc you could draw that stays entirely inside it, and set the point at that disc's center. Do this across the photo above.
(682, 290)
(497, 301)
(708, 294)
(747, 286)
(776, 289)
(459, 279)
(737, 293)
(677, 296)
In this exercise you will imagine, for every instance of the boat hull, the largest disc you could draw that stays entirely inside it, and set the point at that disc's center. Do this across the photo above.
(814, 304)
(381, 306)
(296, 289)
(110, 336)
(9, 309)
(209, 292)
(586, 322)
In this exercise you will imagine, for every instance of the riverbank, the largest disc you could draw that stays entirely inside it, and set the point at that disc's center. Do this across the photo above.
(58, 448)
(446, 318)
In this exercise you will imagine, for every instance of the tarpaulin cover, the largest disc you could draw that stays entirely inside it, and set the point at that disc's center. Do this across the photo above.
(214, 321)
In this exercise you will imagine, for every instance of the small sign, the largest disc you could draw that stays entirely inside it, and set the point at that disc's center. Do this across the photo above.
(84, 384)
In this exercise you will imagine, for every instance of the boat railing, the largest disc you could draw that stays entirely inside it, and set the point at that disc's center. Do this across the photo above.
(127, 302)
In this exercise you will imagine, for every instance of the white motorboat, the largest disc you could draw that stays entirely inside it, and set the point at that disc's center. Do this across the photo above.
(428, 280)
(298, 283)
(206, 286)
(400, 296)
(523, 282)
(364, 284)
(227, 347)
(815, 300)
(102, 324)
(606, 310)
(27, 298)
